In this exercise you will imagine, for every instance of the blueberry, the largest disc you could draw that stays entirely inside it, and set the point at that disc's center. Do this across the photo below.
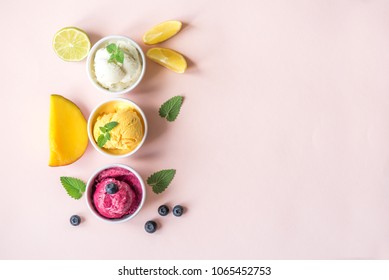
(111, 188)
(150, 226)
(178, 210)
(163, 210)
(75, 220)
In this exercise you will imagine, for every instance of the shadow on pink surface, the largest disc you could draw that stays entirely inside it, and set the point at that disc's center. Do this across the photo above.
(150, 83)
(93, 37)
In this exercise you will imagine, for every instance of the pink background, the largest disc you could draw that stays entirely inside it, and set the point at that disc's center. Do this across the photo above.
(281, 147)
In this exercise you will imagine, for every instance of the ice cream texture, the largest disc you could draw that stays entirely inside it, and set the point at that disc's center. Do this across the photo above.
(116, 76)
(129, 132)
(127, 198)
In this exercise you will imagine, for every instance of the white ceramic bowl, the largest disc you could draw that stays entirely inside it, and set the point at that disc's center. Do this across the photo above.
(91, 57)
(98, 110)
(90, 185)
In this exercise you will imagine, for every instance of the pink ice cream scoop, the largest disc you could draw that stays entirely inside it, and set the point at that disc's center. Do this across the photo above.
(117, 193)
(113, 198)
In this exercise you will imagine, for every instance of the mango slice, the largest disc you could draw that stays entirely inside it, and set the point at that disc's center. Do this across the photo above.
(168, 58)
(68, 135)
(161, 32)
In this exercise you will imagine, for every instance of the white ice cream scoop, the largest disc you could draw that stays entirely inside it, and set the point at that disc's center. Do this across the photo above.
(107, 73)
(111, 76)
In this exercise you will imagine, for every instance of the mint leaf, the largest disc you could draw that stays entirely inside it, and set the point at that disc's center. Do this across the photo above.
(171, 108)
(73, 186)
(119, 56)
(101, 140)
(111, 59)
(160, 180)
(109, 126)
(112, 48)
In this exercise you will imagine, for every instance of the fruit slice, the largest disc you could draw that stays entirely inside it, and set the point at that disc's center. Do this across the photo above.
(68, 133)
(168, 58)
(161, 32)
(71, 44)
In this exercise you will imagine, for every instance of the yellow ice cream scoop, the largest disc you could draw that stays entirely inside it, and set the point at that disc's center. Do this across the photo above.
(128, 132)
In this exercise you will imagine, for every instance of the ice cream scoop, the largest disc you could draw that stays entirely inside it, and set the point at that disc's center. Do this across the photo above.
(115, 193)
(113, 205)
(128, 133)
(107, 74)
(113, 75)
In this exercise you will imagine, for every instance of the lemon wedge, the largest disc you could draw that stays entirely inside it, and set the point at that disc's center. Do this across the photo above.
(168, 58)
(161, 32)
(71, 44)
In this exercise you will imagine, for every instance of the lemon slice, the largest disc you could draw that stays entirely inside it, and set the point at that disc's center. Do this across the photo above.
(71, 44)
(161, 32)
(168, 58)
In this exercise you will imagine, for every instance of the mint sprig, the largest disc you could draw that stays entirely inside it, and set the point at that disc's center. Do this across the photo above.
(103, 138)
(73, 186)
(160, 180)
(117, 54)
(171, 108)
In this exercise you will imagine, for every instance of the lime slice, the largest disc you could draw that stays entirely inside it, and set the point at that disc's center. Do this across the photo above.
(161, 32)
(71, 44)
(168, 58)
